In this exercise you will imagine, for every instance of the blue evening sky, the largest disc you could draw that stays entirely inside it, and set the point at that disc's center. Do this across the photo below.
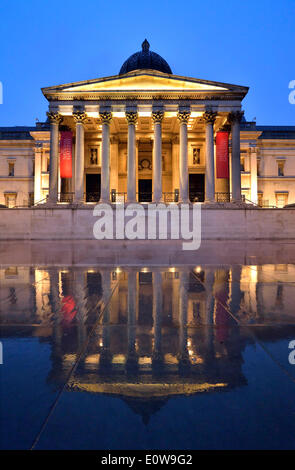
(49, 42)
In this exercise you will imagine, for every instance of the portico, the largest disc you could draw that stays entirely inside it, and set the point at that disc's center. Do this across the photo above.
(145, 135)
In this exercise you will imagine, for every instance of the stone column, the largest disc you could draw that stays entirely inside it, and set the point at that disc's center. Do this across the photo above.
(131, 156)
(235, 119)
(209, 118)
(114, 169)
(157, 117)
(55, 119)
(106, 118)
(175, 164)
(38, 173)
(183, 117)
(253, 173)
(79, 117)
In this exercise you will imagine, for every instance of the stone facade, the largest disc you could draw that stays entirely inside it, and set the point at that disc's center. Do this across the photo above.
(146, 135)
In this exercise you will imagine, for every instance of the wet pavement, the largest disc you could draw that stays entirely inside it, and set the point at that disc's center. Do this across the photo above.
(148, 356)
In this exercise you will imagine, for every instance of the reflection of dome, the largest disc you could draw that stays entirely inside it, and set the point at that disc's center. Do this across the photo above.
(145, 407)
(145, 59)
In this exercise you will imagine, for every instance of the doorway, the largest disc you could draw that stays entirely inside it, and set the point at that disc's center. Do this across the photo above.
(145, 188)
(196, 187)
(92, 187)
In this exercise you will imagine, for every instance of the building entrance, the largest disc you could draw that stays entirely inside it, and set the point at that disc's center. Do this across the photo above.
(92, 187)
(196, 187)
(145, 188)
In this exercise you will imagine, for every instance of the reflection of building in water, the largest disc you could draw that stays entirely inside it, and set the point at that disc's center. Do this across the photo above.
(152, 333)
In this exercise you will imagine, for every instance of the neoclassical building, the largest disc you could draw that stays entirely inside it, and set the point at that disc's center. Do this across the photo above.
(146, 135)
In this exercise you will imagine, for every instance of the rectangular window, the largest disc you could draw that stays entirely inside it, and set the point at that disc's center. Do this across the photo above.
(260, 199)
(258, 168)
(281, 168)
(10, 200)
(242, 163)
(10, 169)
(196, 156)
(281, 199)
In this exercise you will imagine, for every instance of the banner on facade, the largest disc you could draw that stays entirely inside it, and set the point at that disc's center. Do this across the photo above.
(65, 154)
(222, 160)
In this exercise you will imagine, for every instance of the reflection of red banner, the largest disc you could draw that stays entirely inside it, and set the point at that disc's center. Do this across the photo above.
(65, 154)
(68, 309)
(222, 155)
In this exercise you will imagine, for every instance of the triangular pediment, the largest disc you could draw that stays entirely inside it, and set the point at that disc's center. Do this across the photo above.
(144, 81)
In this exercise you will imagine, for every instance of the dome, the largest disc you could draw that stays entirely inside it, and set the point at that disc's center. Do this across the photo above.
(145, 59)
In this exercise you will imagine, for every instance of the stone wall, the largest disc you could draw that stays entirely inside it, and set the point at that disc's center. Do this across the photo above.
(63, 223)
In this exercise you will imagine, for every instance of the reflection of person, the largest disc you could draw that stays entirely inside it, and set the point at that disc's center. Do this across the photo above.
(93, 156)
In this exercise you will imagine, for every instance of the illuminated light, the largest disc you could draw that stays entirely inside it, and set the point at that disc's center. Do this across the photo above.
(91, 270)
(145, 270)
(118, 270)
(198, 269)
(144, 360)
(93, 114)
(144, 113)
(92, 359)
(172, 270)
(189, 343)
(190, 352)
(253, 273)
(170, 114)
(101, 343)
(118, 359)
(119, 114)
(195, 114)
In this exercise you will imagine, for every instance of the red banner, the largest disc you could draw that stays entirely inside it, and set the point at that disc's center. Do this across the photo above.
(222, 166)
(65, 154)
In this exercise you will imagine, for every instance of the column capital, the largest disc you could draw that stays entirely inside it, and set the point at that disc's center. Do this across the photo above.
(183, 116)
(209, 116)
(106, 117)
(55, 118)
(157, 116)
(131, 117)
(235, 116)
(79, 117)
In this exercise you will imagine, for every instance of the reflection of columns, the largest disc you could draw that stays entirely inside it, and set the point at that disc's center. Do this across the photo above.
(183, 305)
(79, 157)
(157, 117)
(157, 315)
(106, 118)
(236, 293)
(80, 297)
(209, 118)
(38, 173)
(210, 304)
(132, 296)
(183, 117)
(55, 308)
(131, 157)
(55, 119)
(235, 119)
(105, 354)
(253, 173)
